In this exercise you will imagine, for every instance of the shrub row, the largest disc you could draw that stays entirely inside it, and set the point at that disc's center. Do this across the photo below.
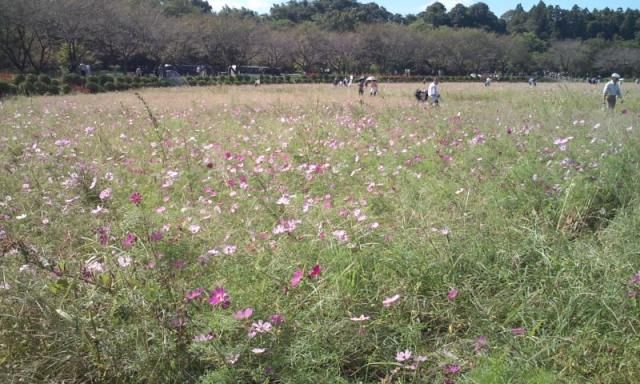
(42, 84)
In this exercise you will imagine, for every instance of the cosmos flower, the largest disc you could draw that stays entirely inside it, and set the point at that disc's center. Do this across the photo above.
(389, 301)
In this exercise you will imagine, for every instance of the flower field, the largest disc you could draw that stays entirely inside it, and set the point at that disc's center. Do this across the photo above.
(300, 234)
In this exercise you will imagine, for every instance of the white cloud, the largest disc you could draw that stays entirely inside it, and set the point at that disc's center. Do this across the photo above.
(448, 4)
(260, 6)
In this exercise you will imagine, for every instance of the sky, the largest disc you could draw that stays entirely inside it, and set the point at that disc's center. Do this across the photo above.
(404, 7)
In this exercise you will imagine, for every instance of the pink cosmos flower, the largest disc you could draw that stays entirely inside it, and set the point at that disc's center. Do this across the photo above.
(194, 294)
(341, 236)
(229, 249)
(156, 236)
(219, 297)
(361, 318)
(203, 337)
(276, 319)
(105, 194)
(135, 198)
(451, 369)
(124, 261)
(315, 271)
(389, 301)
(453, 293)
(519, 331)
(259, 327)
(243, 314)
(296, 278)
(403, 356)
(129, 240)
(258, 351)
(480, 344)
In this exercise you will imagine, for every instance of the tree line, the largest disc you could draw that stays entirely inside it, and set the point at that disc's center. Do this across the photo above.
(341, 36)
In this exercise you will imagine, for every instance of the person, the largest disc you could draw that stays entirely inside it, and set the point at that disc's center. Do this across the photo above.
(487, 82)
(361, 87)
(138, 72)
(612, 91)
(434, 91)
(373, 90)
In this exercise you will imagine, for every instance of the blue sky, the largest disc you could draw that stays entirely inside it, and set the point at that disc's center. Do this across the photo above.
(415, 6)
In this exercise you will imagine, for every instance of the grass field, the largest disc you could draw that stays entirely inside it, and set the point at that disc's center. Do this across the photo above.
(299, 234)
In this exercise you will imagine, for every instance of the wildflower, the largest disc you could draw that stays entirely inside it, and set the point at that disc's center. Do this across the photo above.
(156, 236)
(453, 293)
(93, 267)
(315, 271)
(219, 297)
(105, 194)
(360, 318)
(519, 331)
(135, 198)
(203, 337)
(284, 199)
(258, 351)
(233, 358)
(276, 319)
(259, 327)
(341, 236)
(389, 301)
(480, 344)
(403, 356)
(243, 314)
(129, 240)
(635, 280)
(451, 369)
(296, 278)
(124, 261)
(194, 228)
(229, 249)
(194, 294)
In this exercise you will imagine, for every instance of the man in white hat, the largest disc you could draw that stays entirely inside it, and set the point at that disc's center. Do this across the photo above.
(612, 91)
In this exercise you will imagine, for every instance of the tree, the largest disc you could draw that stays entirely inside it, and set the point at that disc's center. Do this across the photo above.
(436, 15)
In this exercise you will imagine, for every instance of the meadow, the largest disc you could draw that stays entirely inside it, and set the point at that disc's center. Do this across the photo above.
(300, 234)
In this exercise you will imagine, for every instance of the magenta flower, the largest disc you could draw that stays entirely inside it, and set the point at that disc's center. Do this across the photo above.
(219, 297)
(276, 319)
(135, 198)
(315, 271)
(453, 293)
(635, 280)
(519, 331)
(451, 369)
(194, 294)
(129, 240)
(480, 344)
(296, 278)
(156, 236)
(243, 314)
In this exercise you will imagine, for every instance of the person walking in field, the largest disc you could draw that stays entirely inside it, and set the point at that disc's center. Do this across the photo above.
(612, 92)
(434, 92)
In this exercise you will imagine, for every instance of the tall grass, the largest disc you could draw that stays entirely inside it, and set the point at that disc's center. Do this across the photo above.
(488, 240)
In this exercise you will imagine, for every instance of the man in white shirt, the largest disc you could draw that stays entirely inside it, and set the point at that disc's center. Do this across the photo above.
(434, 91)
(612, 91)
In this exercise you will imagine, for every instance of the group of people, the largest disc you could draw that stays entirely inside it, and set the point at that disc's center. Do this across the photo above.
(430, 94)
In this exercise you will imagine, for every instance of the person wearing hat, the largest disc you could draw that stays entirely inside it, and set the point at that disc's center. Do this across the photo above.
(612, 91)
